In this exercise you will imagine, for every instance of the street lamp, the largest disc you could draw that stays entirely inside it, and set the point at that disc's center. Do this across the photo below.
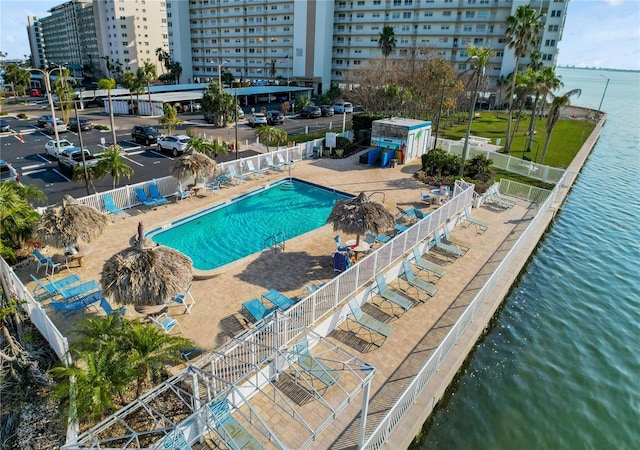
(237, 118)
(225, 61)
(47, 82)
(605, 91)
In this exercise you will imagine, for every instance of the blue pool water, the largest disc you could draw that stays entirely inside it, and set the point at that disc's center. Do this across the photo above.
(225, 234)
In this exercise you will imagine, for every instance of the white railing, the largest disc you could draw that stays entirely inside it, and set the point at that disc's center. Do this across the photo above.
(410, 395)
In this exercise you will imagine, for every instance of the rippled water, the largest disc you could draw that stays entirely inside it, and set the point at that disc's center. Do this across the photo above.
(560, 369)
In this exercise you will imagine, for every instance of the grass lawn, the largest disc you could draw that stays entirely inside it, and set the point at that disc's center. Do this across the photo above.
(566, 140)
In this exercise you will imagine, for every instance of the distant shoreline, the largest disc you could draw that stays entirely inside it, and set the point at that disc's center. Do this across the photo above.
(598, 68)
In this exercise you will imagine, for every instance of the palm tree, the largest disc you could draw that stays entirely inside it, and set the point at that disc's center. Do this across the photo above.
(147, 74)
(387, 41)
(162, 57)
(170, 118)
(546, 81)
(551, 83)
(17, 216)
(176, 70)
(130, 81)
(271, 135)
(111, 161)
(481, 57)
(108, 84)
(523, 30)
(86, 176)
(554, 114)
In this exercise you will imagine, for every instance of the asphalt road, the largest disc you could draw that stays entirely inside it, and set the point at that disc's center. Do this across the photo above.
(23, 147)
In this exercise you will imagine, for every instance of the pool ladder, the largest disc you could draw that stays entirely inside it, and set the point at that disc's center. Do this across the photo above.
(275, 241)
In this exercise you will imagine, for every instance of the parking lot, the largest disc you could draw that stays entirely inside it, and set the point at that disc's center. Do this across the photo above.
(23, 146)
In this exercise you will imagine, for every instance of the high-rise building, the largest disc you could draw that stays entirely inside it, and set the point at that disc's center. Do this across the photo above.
(318, 42)
(35, 41)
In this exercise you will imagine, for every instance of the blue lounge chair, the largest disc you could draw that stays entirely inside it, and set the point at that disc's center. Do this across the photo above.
(419, 214)
(431, 268)
(299, 355)
(232, 172)
(481, 227)
(111, 207)
(46, 262)
(108, 309)
(78, 290)
(165, 322)
(391, 296)
(340, 247)
(278, 299)
(229, 429)
(447, 250)
(154, 194)
(408, 214)
(368, 323)
(461, 245)
(271, 164)
(400, 228)
(382, 238)
(45, 291)
(420, 285)
(181, 299)
(68, 309)
(144, 198)
(256, 309)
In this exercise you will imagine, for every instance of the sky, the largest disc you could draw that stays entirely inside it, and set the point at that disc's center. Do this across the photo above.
(598, 33)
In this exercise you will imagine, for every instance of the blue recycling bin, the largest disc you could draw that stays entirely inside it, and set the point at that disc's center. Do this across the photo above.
(374, 156)
(387, 156)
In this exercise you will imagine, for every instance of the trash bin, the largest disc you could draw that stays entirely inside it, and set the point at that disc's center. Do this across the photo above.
(316, 152)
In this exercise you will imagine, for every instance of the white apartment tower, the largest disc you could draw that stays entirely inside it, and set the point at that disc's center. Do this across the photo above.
(317, 42)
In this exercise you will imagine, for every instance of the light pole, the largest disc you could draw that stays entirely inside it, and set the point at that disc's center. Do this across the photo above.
(237, 118)
(224, 61)
(47, 82)
(605, 91)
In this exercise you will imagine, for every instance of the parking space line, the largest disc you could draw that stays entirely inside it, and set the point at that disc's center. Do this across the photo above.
(161, 154)
(135, 162)
(33, 166)
(44, 158)
(60, 173)
(31, 172)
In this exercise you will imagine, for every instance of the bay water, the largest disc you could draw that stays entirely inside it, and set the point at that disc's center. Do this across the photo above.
(560, 366)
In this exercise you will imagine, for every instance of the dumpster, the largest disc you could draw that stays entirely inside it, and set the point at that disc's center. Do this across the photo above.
(374, 156)
(387, 156)
(316, 152)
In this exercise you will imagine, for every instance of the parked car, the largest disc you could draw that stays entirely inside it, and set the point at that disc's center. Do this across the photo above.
(256, 119)
(310, 112)
(326, 110)
(44, 119)
(275, 117)
(343, 107)
(60, 125)
(4, 126)
(85, 124)
(145, 134)
(36, 93)
(71, 157)
(7, 172)
(52, 149)
(174, 144)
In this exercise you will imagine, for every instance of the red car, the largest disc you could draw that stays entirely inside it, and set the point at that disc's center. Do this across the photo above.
(36, 93)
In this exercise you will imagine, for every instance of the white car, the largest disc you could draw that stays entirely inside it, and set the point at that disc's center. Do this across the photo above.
(257, 119)
(52, 149)
(60, 125)
(173, 144)
(343, 107)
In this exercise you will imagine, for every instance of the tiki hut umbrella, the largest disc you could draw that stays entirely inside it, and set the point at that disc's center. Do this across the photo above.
(70, 223)
(146, 275)
(194, 164)
(359, 215)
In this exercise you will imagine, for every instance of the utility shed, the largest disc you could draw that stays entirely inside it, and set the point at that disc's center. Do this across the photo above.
(394, 132)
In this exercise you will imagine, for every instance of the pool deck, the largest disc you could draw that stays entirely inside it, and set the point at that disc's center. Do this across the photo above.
(216, 316)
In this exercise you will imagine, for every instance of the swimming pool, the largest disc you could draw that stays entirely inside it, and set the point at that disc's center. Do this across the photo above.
(238, 228)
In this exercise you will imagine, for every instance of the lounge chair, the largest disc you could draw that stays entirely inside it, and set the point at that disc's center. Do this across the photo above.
(144, 198)
(448, 250)
(78, 290)
(462, 245)
(494, 196)
(382, 238)
(46, 291)
(181, 195)
(251, 168)
(68, 309)
(232, 172)
(229, 429)
(256, 309)
(46, 262)
(400, 228)
(271, 164)
(165, 322)
(370, 324)
(431, 268)
(154, 194)
(310, 365)
(340, 247)
(108, 309)
(281, 160)
(278, 299)
(419, 214)
(420, 285)
(341, 262)
(181, 299)
(111, 207)
(407, 214)
(481, 227)
(426, 197)
(391, 296)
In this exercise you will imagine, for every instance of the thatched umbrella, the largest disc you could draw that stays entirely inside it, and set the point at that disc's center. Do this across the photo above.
(69, 224)
(359, 215)
(195, 164)
(146, 275)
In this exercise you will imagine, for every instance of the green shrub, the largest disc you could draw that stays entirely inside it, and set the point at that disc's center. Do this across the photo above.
(22, 116)
(101, 127)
